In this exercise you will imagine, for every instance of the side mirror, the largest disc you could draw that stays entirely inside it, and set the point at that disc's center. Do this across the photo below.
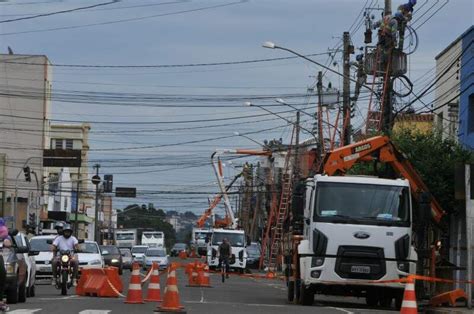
(33, 253)
(425, 206)
(80, 241)
(49, 241)
(105, 252)
(21, 250)
(307, 221)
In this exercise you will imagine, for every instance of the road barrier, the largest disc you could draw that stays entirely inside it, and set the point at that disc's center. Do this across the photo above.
(99, 282)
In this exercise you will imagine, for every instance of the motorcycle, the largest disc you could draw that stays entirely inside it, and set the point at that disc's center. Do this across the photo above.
(64, 271)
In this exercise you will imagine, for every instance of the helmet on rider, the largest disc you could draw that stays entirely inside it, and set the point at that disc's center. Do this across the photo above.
(67, 232)
(59, 226)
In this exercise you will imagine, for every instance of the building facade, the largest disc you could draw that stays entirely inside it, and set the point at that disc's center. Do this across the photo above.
(25, 106)
(454, 103)
(79, 188)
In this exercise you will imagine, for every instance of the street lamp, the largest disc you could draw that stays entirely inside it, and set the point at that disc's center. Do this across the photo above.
(272, 45)
(249, 138)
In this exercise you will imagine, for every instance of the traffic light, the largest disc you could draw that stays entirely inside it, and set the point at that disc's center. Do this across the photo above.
(31, 219)
(108, 183)
(27, 172)
(353, 110)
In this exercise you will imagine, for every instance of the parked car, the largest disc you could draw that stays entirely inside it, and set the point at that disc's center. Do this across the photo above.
(253, 255)
(178, 247)
(138, 253)
(112, 256)
(43, 259)
(126, 258)
(19, 267)
(29, 257)
(157, 255)
(89, 254)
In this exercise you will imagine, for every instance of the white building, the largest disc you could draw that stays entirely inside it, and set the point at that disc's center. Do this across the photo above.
(25, 105)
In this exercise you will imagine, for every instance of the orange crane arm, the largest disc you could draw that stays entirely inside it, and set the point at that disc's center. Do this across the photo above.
(379, 148)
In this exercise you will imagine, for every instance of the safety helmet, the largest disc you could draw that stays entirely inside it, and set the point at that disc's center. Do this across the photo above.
(67, 227)
(59, 224)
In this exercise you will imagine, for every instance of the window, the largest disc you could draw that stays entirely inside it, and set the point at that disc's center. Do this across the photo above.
(58, 144)
(470, 114)
(69, 144)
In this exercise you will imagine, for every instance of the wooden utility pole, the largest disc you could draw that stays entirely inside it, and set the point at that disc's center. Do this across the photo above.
(346, 90)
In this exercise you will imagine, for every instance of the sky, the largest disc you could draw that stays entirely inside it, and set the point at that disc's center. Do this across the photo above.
(156, 127)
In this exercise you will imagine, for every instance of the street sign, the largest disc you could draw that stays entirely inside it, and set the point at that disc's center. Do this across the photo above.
(62, 158)
(95, 180)
(125, 192)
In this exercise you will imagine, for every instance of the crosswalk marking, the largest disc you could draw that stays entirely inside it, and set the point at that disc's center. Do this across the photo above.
(94, 312)
(24, 311)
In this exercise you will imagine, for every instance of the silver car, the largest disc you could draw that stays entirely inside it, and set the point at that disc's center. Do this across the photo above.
(157, 255)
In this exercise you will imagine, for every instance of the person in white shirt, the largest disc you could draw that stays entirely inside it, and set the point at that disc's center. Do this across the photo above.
(65, 242)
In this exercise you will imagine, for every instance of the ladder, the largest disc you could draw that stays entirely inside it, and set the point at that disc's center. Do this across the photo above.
(278, 214)
(285, 202)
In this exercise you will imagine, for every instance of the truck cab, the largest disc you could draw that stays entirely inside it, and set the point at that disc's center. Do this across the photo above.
(356, 230)
(238, 260)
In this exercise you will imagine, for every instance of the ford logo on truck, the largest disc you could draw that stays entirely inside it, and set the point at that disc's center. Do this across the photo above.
(361, 235)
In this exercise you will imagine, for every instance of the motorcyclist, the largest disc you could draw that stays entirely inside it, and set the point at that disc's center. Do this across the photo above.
(225, 251)
(59, 226)
(65, 242)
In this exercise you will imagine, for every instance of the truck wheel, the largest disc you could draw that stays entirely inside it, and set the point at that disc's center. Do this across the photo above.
(12, 294)
(291, 291)
(306, 295)
(22, 293)
(371, 299)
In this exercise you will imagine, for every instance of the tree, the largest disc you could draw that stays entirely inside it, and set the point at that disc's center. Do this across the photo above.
(435, 159)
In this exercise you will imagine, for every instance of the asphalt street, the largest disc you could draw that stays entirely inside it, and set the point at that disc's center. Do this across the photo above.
(236, 295)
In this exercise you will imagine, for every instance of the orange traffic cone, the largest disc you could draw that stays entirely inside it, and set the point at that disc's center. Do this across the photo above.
(189, 268)
(171, 300)
(409, 298)
(193, 277)
(154, 292)
(134, 294)
(206, 281)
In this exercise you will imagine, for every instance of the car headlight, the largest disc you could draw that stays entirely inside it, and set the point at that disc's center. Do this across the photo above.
(10, 268)
(95, 262)
(64, 258)
(114, 260)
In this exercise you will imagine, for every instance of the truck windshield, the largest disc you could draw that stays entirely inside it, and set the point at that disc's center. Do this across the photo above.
(125, 236)
(362, 203)
(235, 239)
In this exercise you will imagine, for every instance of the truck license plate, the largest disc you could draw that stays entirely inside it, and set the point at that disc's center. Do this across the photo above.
(360, 269)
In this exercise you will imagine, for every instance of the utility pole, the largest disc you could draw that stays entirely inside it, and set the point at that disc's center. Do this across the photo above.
(76, 223)
(387, 114)
(319, 86)
(96, 182)
(346, 90)
(297, 147)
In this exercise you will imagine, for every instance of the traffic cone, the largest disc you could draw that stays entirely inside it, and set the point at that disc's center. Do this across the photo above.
(409, 298)
(206, 281)
(193, 276)
(134, 295)
(154, 292)
(189, 268)
(171, 300)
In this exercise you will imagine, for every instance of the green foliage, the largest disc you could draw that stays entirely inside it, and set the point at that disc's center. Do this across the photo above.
(135, 216)
(435, 160)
